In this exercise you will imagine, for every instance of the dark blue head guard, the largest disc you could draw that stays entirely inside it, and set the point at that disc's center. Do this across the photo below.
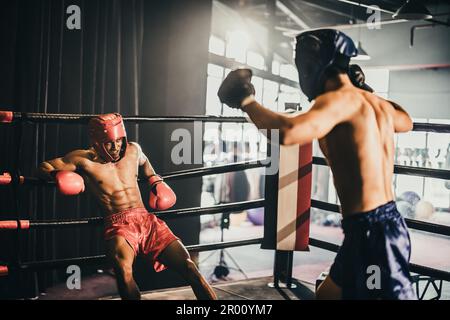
(318, 50)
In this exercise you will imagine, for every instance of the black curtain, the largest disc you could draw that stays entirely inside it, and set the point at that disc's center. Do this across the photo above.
(135, 57)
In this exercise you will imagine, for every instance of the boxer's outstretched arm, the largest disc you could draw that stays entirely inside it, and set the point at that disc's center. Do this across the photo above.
(68, 163)
(328, 110)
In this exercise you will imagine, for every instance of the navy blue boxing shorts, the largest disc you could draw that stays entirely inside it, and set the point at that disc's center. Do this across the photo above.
(373, 261)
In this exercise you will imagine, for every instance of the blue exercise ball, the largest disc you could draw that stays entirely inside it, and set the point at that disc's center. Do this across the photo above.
(256, 216)
(405, 208)
(410, 197)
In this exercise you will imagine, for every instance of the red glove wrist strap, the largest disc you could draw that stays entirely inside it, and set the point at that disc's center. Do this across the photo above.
(154, 178)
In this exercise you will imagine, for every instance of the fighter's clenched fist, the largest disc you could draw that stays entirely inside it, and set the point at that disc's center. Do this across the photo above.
(236, 87)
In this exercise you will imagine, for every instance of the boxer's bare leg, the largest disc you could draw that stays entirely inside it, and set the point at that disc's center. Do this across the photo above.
(328, 290)
(121, 255)
(177, 258)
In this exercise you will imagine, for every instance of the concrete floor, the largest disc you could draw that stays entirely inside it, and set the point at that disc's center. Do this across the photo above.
(252, 289)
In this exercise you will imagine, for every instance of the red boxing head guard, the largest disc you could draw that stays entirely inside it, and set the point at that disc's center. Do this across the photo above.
(104, 128)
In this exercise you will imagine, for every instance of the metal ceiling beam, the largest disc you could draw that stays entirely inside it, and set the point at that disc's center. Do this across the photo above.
(287, 8)
(333, 8)
(354, 3)
(294, 32)
(373, 7)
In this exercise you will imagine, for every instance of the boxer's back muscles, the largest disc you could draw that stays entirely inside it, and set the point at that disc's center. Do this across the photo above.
(360, 149)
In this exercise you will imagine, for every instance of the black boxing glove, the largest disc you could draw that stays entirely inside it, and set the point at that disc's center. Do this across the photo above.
(236, 87)
(358, 77)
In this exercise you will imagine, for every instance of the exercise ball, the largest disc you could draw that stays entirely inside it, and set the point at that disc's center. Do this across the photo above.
(424, 210)
(332, 220)
(405, 208)
(256, 216)
(410, 196)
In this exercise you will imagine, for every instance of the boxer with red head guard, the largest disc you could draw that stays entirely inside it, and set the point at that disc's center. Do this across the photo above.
(110, 169)
(105, 131)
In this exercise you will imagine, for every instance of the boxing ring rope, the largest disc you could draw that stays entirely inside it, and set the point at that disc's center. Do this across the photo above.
(407, 170)
(431, 127)
(413, 224)
(101, 259)
(422, 172)
(204, 171)
(7, 178)
(11, 117)
(423, 270)
(418, 225)
(167, 214)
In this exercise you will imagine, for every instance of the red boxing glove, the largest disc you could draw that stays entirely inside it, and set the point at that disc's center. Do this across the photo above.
(162, 196)
(69, 183)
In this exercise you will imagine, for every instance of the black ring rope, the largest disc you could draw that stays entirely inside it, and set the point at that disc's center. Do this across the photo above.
(406, 170)
(244, 165)
(413, 224)
(188, 173)
(168, 214)
(237, 166)
(84, 118)
(101, 259)
(427, 271)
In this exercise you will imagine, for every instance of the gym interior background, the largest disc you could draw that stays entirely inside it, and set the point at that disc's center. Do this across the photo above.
(168, 58)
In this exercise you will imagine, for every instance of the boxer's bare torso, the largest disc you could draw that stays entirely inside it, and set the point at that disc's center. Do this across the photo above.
(360, 152)
(355, 129)
(113, 184)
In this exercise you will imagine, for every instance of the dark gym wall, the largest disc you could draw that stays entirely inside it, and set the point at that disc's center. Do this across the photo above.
(131, 56)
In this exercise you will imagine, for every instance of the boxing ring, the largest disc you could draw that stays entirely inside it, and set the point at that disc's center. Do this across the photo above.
(15, 180)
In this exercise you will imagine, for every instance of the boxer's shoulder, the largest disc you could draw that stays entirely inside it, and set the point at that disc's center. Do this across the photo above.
(134, 146)
(82, 157)
(134, 149)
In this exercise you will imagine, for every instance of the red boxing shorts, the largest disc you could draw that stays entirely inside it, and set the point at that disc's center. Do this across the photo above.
(145, 232)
